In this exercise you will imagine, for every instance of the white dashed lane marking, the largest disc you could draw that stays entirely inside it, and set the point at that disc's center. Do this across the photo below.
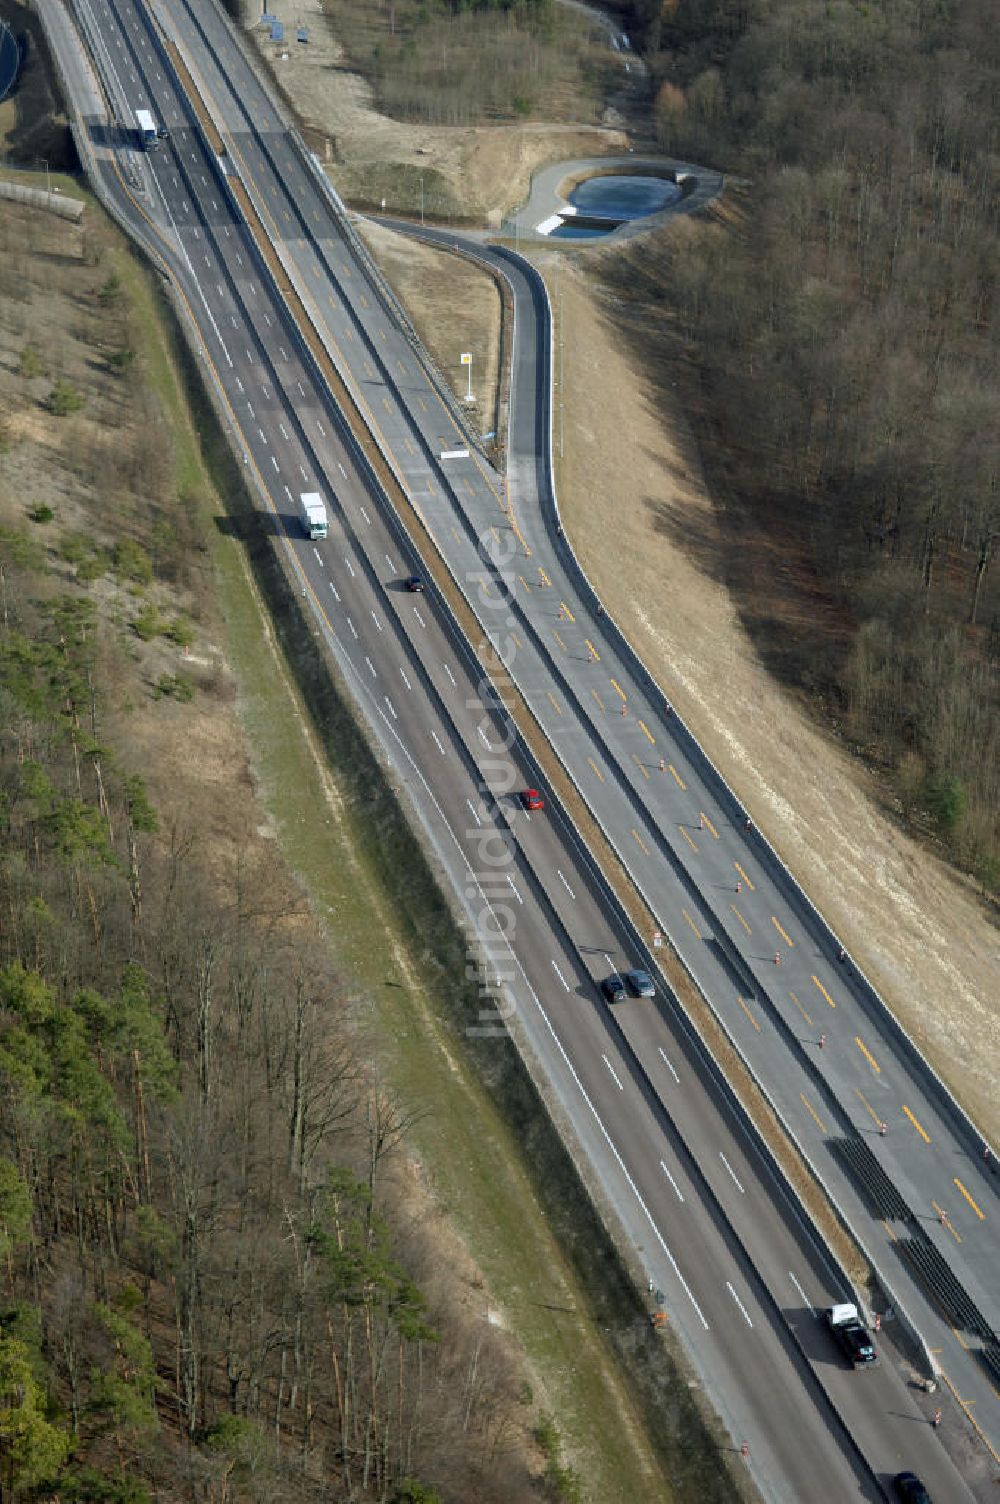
(672, 1180)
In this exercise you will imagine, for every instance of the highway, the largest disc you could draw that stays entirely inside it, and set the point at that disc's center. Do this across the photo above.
(666, 1153)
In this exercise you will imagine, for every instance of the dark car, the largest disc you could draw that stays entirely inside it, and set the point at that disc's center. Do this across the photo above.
(640, 983)
(851, 1334)
(532, 799)
(162, 134)
(414, 584)
(613, 988)
(910, 1489)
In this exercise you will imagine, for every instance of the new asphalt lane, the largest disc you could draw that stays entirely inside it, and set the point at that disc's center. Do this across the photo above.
(292, 440)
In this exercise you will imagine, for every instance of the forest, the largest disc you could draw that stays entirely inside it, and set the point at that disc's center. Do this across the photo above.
(841, 316)
(211, 1283)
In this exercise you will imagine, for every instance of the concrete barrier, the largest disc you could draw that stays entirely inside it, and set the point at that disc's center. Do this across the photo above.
(38, 198)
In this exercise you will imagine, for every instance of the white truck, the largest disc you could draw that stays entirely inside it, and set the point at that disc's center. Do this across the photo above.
(147, 129)
(312, 510)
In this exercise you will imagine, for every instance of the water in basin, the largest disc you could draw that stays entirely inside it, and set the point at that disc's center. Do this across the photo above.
(624, 197)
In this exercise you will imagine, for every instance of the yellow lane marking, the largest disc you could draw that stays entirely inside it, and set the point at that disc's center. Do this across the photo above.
(597, 698)
(432, 488)
(496, 535)
(640, 765)
(345, 271)
(400, 367)
(287, 216)
(875, 1117)
(812, 1112)
(543, 576)
(456, 534)
(423, 404)
(889, 1232)
(691, 922)
(783, 932)
(596, 768)
(517, 640)
(618, 687)
(798, 1005)
(387, 404)
(558, 639)
(524, 583)
(687, 838)
(518, 534)
(554, 703)
(741, 919)
(749, 1015)
(961, 1340)
(595, 655)
(972, 1420)
(408, 442)
(363, 299)
(677, 775)
(566, 611)
(707, 823)
(744, 876)
(649, 735)
(869, 1057)
(367, 368)
(639, 841)
(822, 989)
(942, 1217)
(980, 1214)
(350, 335)
(925, 1136)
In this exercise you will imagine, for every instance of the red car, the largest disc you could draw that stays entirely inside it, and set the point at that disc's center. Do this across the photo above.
(532, 799)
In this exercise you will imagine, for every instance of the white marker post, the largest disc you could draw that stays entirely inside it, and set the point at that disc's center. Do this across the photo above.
(467, 361)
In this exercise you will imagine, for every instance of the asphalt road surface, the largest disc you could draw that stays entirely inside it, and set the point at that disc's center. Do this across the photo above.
(667, 1154)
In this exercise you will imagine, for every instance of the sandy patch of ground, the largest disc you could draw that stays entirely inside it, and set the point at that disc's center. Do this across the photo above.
(916, 927)
(484, 170)
(459, 310)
